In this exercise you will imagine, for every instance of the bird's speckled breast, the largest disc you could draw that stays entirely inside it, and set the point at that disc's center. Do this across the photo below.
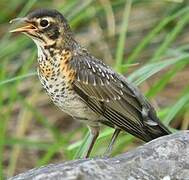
(56, 78)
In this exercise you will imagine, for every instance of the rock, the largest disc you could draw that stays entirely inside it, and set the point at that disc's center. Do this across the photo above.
(165, 158)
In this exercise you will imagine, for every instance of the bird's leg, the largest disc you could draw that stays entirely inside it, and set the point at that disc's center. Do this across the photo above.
(113, 139)
(94, 132)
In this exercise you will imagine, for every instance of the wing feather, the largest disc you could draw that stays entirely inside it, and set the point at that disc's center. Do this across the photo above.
(110, 95)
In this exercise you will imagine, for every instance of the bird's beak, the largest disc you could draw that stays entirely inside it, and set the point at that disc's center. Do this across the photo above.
(26, 28)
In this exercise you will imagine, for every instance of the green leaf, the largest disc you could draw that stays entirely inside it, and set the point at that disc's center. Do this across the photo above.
(177, 107)
(148, 70)
(122, 36)
(148, 38)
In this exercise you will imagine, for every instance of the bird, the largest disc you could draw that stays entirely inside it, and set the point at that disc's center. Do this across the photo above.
(85, 87)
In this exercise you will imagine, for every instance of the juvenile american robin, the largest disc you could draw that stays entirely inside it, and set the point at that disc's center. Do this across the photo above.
(83, 86)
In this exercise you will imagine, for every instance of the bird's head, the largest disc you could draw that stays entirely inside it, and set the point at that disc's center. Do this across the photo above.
(45, 27)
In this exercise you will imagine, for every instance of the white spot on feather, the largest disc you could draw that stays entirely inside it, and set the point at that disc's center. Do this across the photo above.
(101, 82)
(88, 64)
(121, 92)
(94, 82)
(103, 74)
(78, 78)
(94, 70)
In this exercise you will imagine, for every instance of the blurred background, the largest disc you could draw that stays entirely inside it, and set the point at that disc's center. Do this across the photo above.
(147, 41)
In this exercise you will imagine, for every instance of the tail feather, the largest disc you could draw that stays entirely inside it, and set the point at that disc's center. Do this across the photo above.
(147, 132)
(157, 131)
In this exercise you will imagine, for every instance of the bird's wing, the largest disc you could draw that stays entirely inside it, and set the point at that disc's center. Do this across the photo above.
(110, 95)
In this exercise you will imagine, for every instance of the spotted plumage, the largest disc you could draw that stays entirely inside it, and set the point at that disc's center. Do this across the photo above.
(83, 86)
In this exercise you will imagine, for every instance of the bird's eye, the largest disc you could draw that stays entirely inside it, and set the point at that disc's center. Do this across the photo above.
(44, 23)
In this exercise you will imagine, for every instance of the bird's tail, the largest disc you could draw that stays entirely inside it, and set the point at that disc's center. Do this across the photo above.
(153, 127)
(156, 131)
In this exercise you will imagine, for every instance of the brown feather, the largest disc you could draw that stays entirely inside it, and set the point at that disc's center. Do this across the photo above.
(109, 94)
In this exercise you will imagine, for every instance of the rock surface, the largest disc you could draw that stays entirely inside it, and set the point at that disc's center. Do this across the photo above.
(165, 158)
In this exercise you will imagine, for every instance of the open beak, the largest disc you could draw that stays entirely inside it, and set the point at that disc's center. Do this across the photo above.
(28, 27)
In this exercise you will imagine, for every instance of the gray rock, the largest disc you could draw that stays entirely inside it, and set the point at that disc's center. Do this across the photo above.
(165, 158)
